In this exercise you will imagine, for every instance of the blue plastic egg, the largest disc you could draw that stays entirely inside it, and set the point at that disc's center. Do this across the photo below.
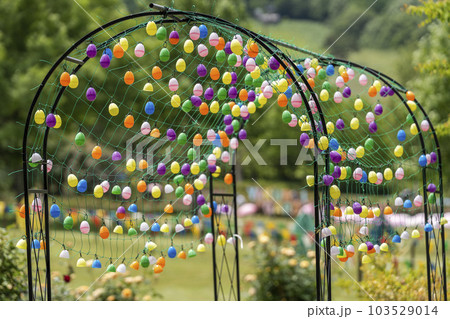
(203, 31)
(35, 244)
(172, 252)
(364, 177)
(82, 186)
(334, 144)
(108, 52)
(155, 227)
(423, 160)
(428, 227)
(407, 204)
(396, 239)
(330, 70)
(401, 135)
(55, 211)
(149, 108)
(195, 219)
(132, 208)
(96, 264)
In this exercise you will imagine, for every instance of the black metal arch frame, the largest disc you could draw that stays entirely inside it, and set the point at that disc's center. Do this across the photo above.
(169, 15)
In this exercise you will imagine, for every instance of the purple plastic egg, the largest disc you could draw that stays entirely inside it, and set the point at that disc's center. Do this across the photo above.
(171, 135)
(378, 110)
(227, 119)
(91, 94)
(174, 35)
(431, 188)
(201, 70)
(251, 96)
(185, 169)
(373, 127)
(227, 48)
(304, 139)
(340, 124)
(225, 208)
(369, 245)
(232, 92)
(233, 77)
(121, 210)
(384, 91)
(209, 93)
(347, 92)
(335, 157)
(116, 156)
(200, 200)
(357, 209)
(336, 172)
(242, 134)
(328, 179)
(273, 63)
(433, 157)
(391, 91)
(161, 169)
(50, 120)
(212, 168)
(91, 50)
(105, 61)
(196, 101)
(229, 129)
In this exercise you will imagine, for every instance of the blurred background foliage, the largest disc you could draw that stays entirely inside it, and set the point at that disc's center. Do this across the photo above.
(406, 39)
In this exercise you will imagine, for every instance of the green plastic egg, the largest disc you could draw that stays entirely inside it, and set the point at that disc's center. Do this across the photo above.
(145, 262)
(116, 190)
(202, 164)
(182, 139)
(431, 198)
(222, 94)
(187, 106)
(161, 33)
(232, 59)
(368, 145)
(220, 56)
(179, 192)
(164, 55)
(226, 109)
(80, 139)
(178, 179)
(286, 116)
(68, 222)
(191, 154)
(248, 80)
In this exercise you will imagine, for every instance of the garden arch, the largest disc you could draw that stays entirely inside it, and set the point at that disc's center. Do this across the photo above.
(62, 105)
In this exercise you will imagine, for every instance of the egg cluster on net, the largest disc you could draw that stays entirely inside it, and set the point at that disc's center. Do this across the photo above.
(156, 111)
(159, 108)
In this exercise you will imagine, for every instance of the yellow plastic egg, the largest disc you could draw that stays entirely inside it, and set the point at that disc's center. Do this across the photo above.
(195, 168)
(335, 192)
(113, 109)
(341, 69)
(388, 174)
(73, 84)
(175, 168)
(283, 85)
(236, 47)
(98, 191)
(343, 174)
(175, 101)
(364, 212)
(214, 107)
(72, 180)
(412, 105)
(198, 184)
(262, 100)
(398, 151)
(131, 165)
(251, 107)
(372, 177)
(217, 172)
(236, 110)
(377, 211)
(360, 152)
(180, 65)
(354, 123)
(330, 127)
(358, 104)
(217, 152)
(324, 95)
(156, 192)
(151, 28)
(148, 87)
(323, 142)
(123, 42)
(188, 46)
(377, 85)
(221, 240)
(256, 73)
(39, 117)
(413, 129)
(58, 121)
(310, 180)
(226, 78)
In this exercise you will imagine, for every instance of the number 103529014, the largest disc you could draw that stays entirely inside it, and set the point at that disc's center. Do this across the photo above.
(393, 310)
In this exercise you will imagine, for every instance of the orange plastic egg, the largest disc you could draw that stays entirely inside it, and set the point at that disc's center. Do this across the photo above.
(118, 51)
(43, 246)
(141, 186)
(22, 211)
(337, 212)
(104, 232)
(161, 261)
(129, 121)
(96, 152)
(214, 74)
(243, 95)
(156, 73)
(135, 265)
(410, 96)
(157, 269)
(198, 139)
(311, 83)
(345, 76)
(387, 210)
(373, 91)
(129, 78)
(228, 179)
(182, 255)
(221, 44)
(282, 100)
(168, 209)
(203, 109)
(143, 164)
(370, 214)
(64, 79)
(253, 50)
(224, 138)
(189, 189)
(343, 259)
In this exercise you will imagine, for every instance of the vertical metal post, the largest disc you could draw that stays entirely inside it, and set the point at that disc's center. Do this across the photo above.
(317, 233)
(236, 246)
(213, 244)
